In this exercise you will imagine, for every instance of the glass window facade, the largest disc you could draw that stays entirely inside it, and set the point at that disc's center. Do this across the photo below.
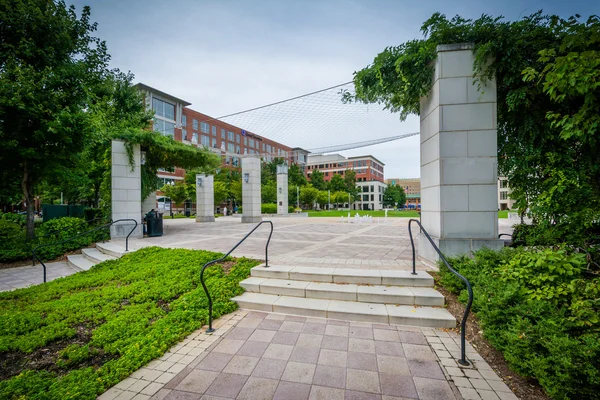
(163, 109)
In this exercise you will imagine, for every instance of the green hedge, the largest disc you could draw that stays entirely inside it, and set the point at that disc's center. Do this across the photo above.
(136, 308)
(540, 309)
(14, 246)
(268, 208)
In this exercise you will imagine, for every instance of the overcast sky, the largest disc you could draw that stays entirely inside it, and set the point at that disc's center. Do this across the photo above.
(231, 55)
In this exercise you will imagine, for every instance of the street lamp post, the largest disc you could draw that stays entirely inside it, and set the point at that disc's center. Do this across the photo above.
(297, 196)
(172, 183)
(328, 200)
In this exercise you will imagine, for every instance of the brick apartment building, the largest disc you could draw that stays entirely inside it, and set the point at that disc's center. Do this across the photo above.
(367, 168)
(412, 189)
(174, 118)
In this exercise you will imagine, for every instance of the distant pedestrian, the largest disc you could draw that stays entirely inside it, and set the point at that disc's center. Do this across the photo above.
(235, 210)
(224, 211)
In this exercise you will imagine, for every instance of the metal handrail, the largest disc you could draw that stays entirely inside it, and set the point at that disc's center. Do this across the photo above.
(504, 234)
(463, 323)
(35, 257)
(208, 264)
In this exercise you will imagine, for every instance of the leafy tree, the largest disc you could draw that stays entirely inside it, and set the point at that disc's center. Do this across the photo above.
(350, 183)
(308, 195)
(337, 183)
(394, 195)
(317, 179)
(322, 198)
(177, 193)
(50, 63)
(296, 176)
(268, 192)
(221, 193)
(339, 197)
(547, 122)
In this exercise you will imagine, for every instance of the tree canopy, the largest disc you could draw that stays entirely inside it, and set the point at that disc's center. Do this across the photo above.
(546, 71)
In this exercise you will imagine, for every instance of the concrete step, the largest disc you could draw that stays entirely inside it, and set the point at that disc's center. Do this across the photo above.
(112, 249)
(344, 275)
(348, 310)
(79, 262)
(423, 296)
(96, 256)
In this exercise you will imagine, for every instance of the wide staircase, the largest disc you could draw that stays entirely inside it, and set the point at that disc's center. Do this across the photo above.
(390, 296)
(95, 255)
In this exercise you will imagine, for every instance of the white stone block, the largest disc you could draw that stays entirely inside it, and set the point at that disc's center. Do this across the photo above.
(430, 174)
(119, 171)
(431, 221)
(483, 197)
(480, 92)
(452, 91)
(430, 198)
(430, 150)
(456, 64)
(133, 195)
(469, 225)
(454, 198)
(463, 171)
(468, 117)
(119, 159)
(119, 195)
(453, 144)
(482, 143)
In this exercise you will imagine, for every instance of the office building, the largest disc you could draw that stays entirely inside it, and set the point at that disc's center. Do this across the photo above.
(412, 189)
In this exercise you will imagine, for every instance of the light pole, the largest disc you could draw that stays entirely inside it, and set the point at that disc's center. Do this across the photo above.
(172, 183)
(328, 200)
(349, 202)
(297, 196)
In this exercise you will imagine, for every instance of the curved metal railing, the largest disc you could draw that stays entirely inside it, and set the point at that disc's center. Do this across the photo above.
(35, 257)
(208, 264)
(463, 323)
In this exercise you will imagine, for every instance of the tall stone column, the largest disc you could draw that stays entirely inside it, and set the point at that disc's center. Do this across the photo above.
(205, 198)
(251, 189)
(459, 197)
(126, 187)
(282, 189)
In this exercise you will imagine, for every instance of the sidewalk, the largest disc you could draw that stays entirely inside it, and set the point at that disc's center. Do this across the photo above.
(258, 356)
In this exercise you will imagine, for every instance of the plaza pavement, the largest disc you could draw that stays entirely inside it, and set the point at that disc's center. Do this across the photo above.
(262, 356)
(382, 244)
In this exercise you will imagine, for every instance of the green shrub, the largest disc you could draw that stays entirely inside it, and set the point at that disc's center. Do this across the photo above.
(19, 219)
(136, 307)
(268, 208)
(13, 245)
(291, 209)
(539, 310)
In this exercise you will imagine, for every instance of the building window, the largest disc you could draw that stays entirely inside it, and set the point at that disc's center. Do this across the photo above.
(204, 127)
(504, 183)
(230, 136)
(222, 133)
(195, 138)
(237, 138)
(245, 141)
(184, 134)
(231, 147)
(195, 124)
(503, 195)
(214, 142)
(164, 127)
(163, 109)
(183, 120)
(251, 141)
(372, 189)
(205, 140)
(372, 197)
(365, 197)
(214, 130)
(237, 149)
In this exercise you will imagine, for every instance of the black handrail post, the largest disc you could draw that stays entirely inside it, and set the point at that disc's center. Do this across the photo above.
(413, 249)
(208, 264)
(463, 323)
(34, 255)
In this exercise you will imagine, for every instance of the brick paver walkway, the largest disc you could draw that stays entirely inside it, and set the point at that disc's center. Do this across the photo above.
(258, 356)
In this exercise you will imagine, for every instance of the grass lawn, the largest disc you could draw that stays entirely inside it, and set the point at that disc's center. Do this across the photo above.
(380, 213)
(75, 337)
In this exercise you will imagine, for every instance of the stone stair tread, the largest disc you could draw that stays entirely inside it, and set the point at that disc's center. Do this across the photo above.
(96, 255)
(347, 310)
(79, 262)
(112, 249)
(344, 275)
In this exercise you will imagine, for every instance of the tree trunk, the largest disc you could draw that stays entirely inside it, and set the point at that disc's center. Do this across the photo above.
(27, 186)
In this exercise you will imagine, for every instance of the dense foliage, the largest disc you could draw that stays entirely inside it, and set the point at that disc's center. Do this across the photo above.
(14, 246)
(136, 308)
(546, 72)
(394, 196)
(540, 309)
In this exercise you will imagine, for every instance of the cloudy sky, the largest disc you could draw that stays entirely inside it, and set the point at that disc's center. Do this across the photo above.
(225, 56)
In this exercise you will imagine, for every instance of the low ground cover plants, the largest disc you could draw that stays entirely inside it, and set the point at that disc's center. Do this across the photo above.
(75, 337)
(540, 308)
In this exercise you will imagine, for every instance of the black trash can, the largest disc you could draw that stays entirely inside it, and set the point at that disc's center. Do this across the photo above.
(187, 213)
(154, 224)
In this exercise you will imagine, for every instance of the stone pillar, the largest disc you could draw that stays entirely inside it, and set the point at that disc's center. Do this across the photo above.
(282, 189)
(126, 185)
(205, 198)
(251, 189)
(459, 197)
